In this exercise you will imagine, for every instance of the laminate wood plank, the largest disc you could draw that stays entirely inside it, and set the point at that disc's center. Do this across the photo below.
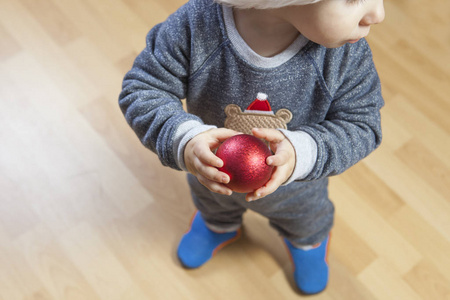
(8, 45)
(53, 20)
(426, 165)
(383, 239)
(47, 259)
(373, 190)
(350, 249)
(423, 237)
(388, 286)
(427, 281)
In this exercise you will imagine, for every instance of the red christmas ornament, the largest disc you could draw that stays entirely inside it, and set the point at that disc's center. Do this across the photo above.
(244, 160)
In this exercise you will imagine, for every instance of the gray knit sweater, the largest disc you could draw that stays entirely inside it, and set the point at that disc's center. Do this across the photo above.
(333, 95)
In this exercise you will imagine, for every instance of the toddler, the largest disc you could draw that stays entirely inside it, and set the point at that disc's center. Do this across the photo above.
(296, 73)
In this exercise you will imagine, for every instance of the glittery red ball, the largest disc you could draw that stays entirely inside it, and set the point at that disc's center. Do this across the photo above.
(244, 160)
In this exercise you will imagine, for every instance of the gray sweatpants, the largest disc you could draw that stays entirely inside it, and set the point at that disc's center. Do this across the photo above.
(299, 211)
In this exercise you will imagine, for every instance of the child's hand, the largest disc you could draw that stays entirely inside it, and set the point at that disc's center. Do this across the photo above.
(202, 163)
(283, 160)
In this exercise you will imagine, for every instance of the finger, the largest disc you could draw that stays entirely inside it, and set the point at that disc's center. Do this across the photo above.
(253, 196)
(205, 156)
(280, 158)
(214, 186)
(271, 186)
(219, 136)
(211, 173)
(262, 192)
(269, 134)
(224, 133)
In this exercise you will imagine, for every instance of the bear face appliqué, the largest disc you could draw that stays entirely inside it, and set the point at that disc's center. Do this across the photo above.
(244, 121)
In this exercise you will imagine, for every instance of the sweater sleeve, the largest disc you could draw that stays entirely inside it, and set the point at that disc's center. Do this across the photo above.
(152, 89)
(351, 129)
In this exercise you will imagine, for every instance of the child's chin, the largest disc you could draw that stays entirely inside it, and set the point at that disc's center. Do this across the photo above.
(353, 41)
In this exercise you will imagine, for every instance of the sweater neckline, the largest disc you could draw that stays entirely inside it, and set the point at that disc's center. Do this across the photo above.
(251, 56)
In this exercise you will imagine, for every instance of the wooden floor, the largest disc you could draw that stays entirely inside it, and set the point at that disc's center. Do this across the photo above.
(87, 213)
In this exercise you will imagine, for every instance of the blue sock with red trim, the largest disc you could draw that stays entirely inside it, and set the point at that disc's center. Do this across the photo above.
(200, 243)
(310, 267)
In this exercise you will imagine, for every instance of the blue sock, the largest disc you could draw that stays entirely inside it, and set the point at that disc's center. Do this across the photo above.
(200, 243)
(310, 267)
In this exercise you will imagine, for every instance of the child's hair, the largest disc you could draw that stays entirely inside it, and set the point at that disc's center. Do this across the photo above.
(264, 4)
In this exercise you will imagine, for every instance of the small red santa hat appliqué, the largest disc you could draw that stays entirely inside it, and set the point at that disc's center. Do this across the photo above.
(261, 105)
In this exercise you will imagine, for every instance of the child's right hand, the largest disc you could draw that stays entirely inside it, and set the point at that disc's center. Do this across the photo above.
(203, 163)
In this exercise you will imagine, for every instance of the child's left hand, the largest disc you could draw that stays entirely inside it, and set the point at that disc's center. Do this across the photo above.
(283, 160)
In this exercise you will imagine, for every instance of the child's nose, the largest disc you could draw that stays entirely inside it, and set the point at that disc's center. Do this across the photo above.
(375, 15)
